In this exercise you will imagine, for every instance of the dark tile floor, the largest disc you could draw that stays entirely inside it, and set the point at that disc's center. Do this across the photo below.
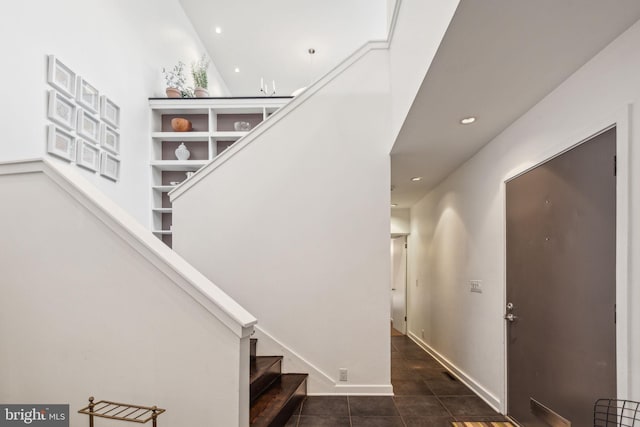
(425, 396)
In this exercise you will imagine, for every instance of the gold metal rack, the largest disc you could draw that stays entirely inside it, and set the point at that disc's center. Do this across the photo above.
(121, 411)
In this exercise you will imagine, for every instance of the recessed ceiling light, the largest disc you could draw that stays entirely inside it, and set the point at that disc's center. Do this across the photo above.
(237, 70)
(218, 30)
(416, 178)
(468, 120)
(394, 205)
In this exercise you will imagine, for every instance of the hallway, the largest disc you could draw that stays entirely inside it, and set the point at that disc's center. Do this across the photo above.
(425, 396)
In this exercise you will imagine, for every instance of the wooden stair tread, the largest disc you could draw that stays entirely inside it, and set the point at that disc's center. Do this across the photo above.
(261, 364)
(284, 395)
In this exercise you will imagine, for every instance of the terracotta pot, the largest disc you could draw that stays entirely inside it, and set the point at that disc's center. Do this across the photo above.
(201, 92)
(172, 92)
(180, 124)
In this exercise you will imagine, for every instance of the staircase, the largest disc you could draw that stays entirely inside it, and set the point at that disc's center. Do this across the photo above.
(274, 395)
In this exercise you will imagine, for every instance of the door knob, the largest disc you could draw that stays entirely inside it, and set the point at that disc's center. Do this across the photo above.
(510, 317)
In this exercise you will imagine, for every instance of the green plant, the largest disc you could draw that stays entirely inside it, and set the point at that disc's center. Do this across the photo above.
(175, 78)
(199, 72)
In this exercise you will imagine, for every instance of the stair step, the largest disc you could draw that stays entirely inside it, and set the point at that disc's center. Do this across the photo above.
(275, 406)
(264, 371)
(253, 345)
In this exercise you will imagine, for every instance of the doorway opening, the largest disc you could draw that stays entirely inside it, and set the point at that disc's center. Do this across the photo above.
(398, 285)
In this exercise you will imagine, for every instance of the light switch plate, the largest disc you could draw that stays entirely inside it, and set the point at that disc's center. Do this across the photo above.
(475, 286)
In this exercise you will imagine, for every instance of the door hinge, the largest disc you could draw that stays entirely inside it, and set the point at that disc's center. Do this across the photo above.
(405, 318)
(615, 313)
(405, 245)
(615, 165)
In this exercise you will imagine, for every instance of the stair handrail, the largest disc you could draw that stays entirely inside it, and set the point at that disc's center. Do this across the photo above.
(172, 265)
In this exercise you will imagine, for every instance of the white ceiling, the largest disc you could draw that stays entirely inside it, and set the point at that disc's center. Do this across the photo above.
(270, 39)
(498, 59)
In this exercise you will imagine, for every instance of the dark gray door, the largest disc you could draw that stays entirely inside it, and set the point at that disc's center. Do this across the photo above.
(561, 347)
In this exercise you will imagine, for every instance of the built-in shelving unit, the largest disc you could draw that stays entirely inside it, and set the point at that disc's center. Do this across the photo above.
(213, 132)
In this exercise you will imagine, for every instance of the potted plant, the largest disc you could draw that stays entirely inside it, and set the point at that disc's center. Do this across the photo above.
(176, 82)
(200, 80)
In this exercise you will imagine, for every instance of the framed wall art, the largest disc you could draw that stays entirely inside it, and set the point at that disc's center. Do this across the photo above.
(109, 166)
(109, 112)
(88, 96)
(61, 110)
(87, 155)
(88, 126)
(110, 139)
(60, 143)
(61, 77)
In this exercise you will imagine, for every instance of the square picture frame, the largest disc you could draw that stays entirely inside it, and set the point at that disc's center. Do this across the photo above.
(87, 155)
(61, 77)
(110, 139)
(88, 127)
(109, 112)
(109, 166)
(61, 143)
(87, 96)
(62, 110)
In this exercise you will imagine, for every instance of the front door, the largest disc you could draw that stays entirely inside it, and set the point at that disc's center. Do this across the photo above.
(561, 286)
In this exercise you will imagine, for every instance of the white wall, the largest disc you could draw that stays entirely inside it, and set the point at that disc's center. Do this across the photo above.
(457, 230)
(85, 311)
(400, 221)
(295, 227)
(416, 38)
(120, 47)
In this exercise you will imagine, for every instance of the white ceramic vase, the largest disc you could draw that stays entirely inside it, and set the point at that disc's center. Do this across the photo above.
(182, 153)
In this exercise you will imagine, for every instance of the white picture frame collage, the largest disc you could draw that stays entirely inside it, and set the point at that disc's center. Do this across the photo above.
(84, 124)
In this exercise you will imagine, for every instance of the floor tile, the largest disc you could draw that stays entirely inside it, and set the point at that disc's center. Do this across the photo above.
(335, 406)
(422, 364)
(319, 421)
(449, 387)
(376, 422)
(428, 421)
(416, 353)
(466, 405)
(410, 388)
(369, 406)
(485, 418)
(420, 406)
(403, 374)
(432, 374)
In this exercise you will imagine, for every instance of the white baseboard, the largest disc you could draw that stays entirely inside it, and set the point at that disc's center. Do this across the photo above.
(319, 383)
(484, 394)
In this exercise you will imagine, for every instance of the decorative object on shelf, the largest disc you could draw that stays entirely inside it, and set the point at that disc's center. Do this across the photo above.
(61, 143)
(109, 166)
(87, 155)
(61, 77)
(182, 153)
(264, 88)
(180, 124)
(199, 74)
(189, 174)
(109, 112)
(109, 139)
(62, 110)
(176, 80)
(88, 97)
(242, 126)
(88, 126)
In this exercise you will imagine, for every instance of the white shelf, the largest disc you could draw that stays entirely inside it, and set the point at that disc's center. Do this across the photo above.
(178, 165)
(163, 188)
(162, 210)
(180, 136)
(162, 232)
(227, 135)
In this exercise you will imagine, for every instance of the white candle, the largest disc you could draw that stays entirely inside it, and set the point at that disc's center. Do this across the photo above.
(274, 86)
